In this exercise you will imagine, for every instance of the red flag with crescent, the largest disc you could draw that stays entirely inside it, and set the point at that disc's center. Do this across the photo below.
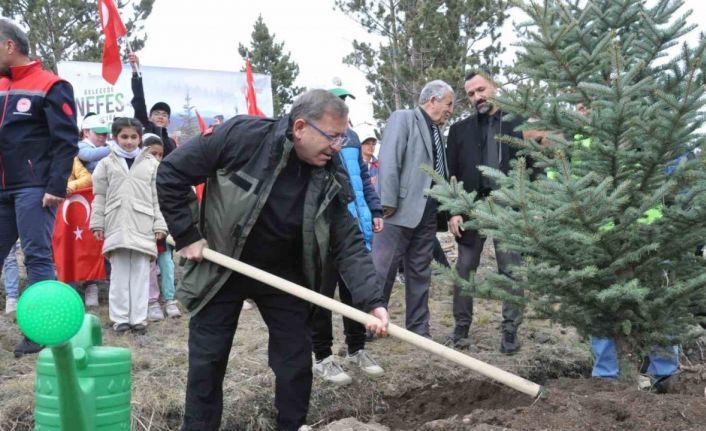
(78, 256)
(113, 28)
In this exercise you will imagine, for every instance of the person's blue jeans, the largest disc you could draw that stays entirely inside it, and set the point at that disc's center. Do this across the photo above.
(12, 273)
(663, 361)
(23, 216)
(165, 262)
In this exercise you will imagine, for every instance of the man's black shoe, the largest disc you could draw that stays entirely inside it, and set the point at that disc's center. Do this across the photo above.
(665, 384)
(458, 333)
(461, 343)
(509, 344)
(27, 347)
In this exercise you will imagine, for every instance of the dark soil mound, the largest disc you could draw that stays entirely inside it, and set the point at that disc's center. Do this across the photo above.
(416, 408)
(572, 404)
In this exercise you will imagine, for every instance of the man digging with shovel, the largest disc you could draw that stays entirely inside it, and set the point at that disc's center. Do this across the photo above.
(276, 199)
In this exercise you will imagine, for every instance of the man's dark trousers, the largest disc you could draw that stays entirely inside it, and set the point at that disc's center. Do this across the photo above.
(211, 333)
(469, 252)
(321, 320)
(415, 246)
(23, 216)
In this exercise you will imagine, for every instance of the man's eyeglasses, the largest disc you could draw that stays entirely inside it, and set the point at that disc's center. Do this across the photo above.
(335, 140)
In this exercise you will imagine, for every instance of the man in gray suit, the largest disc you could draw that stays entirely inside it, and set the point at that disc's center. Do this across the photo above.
(412, 137)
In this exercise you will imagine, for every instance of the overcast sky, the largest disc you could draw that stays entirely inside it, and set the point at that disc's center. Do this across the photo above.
(204, 34)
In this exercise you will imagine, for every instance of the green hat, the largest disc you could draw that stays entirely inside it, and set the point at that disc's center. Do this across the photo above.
(96, 123)
(341, 92)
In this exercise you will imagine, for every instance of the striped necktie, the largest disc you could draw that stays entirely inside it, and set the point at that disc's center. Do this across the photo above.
(439, 165)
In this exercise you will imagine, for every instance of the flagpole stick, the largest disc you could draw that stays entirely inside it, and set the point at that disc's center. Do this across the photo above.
(514, 381)
(129, 49)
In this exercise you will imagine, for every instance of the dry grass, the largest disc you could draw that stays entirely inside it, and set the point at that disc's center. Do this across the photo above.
(160, 365)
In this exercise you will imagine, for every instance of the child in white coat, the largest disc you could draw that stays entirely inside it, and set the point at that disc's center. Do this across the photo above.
(126, 217)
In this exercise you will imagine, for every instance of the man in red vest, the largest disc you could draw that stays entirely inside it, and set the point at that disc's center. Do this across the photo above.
(38, 141)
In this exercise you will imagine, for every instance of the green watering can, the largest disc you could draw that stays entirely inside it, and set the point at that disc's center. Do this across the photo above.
(81, 384)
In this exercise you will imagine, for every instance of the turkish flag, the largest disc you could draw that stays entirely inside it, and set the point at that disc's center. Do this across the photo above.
(199, 119)
(250, 97)
(113, 28)
(77, 254)
(202, 127)
(198, 189)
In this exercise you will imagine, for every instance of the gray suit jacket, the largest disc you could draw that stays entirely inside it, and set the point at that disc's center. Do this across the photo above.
(406, 145)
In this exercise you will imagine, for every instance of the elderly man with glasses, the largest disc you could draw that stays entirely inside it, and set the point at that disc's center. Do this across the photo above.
(276, 198)
(412, 138)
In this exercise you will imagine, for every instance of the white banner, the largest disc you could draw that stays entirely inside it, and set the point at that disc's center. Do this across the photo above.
(210, 92)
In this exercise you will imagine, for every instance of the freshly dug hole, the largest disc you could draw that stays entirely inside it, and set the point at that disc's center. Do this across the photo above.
(415, 408)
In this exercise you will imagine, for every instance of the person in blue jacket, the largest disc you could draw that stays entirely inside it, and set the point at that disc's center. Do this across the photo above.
(367, 210)
(93, 145)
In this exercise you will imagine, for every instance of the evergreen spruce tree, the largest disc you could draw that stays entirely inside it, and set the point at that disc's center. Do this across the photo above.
(189, 125)
(609, 243)
(267, 56)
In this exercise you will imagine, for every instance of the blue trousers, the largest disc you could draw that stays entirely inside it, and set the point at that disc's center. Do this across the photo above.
(23, 216)
(663, 361)
(12, 273)
(165, 261)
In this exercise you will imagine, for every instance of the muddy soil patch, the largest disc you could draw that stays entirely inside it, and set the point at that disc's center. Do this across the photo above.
(577, 405)
(415, 408)
(580, 404)
(546, 367)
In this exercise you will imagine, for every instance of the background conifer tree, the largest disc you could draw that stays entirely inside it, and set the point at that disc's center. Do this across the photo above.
(268, 56)
(70, 29)
(189, 124)
(422, 40)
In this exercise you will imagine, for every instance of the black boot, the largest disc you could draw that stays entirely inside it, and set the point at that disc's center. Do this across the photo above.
(27, 347)
(509, 344)
(460, 332)
(459, 339)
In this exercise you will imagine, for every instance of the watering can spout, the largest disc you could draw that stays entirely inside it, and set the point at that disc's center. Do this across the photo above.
(73, 396)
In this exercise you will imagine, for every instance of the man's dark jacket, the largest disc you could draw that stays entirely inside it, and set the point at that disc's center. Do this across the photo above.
(464, 155)
(140, 106)
(38, 132)
(240, 161)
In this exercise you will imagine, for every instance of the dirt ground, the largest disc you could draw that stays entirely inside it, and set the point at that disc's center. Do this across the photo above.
(418, 391)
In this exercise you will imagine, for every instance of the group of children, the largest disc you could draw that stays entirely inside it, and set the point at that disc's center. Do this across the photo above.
(125, 215)
(125, 212)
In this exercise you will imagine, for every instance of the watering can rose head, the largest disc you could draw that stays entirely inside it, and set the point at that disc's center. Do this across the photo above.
(50, 312)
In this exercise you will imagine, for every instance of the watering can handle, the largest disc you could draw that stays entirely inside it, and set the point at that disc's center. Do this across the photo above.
(90, 334)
